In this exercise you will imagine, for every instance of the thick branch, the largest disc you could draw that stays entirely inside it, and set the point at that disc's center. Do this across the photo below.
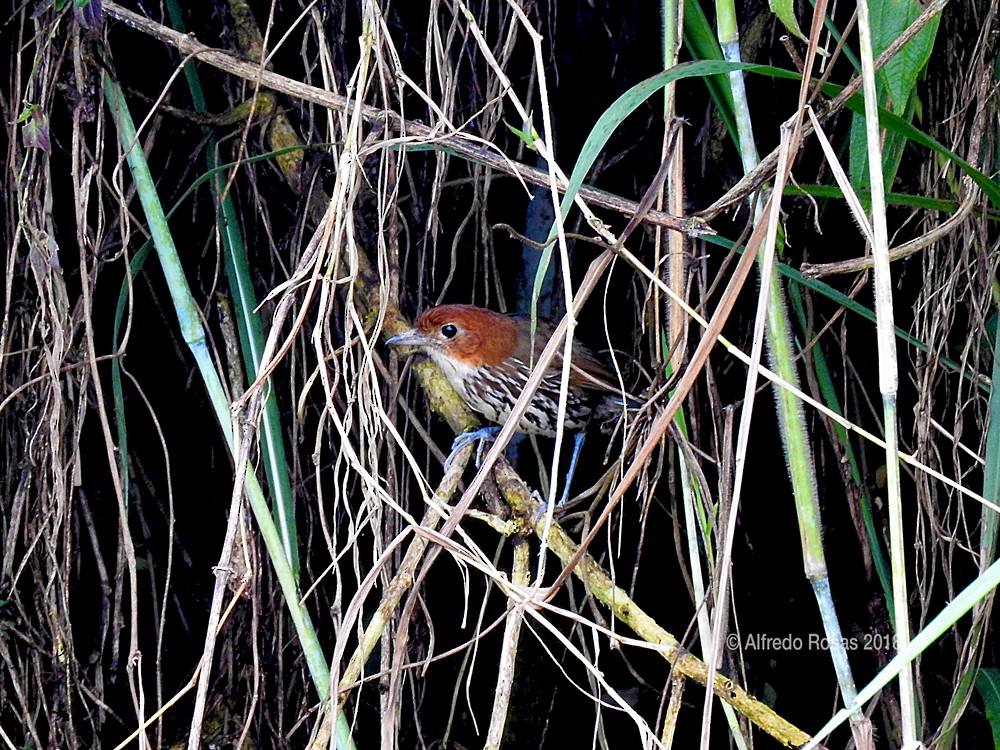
(601, 585)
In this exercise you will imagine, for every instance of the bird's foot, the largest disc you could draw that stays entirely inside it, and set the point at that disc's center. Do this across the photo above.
(543, 505)
(483, 436)
(543, 508)
(574, 460)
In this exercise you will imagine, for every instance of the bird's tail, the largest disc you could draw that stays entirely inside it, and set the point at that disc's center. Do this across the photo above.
(610, 410)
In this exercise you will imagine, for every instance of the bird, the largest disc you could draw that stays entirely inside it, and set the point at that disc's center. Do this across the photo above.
(487, 357)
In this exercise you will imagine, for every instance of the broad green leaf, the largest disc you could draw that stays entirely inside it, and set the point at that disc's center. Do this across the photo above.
(988, 685)
(785, 11)
(702, 44)
(895, 83)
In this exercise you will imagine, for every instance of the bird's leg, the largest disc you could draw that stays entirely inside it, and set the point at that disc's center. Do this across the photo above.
(573, 461)
(483, 436)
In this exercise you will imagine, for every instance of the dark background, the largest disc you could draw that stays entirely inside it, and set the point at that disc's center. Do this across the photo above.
(594, 52)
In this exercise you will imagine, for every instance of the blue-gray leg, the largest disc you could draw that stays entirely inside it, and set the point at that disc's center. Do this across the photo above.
(574, 460)
(483, 436)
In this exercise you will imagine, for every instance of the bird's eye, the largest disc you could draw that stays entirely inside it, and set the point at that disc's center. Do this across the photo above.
(449, 330)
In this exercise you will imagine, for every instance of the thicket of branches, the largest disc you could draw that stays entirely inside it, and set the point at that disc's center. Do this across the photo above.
(215, 216)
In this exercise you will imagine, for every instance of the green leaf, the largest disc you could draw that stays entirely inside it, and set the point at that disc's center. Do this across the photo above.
(29, 108)
(895, 83)
(35, 132)
(702, 44)
(785, 11)
(529, 135)
(988, 685)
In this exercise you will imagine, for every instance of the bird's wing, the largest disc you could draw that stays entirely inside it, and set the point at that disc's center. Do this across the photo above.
(589, 372)
(586, 370)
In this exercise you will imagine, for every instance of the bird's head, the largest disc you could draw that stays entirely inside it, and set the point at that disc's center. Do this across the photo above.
(467, 334)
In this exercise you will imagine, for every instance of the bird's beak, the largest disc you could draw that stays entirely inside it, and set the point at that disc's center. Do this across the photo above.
(412, 337)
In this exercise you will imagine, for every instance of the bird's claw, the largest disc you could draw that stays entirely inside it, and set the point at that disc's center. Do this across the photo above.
(543, 507)
(483, 436)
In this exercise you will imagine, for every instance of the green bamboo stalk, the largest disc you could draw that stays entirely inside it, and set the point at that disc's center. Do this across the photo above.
(250, 326)
(829, 392)
(966, 599)
(791, 415)
(888, 374)
(193, 335)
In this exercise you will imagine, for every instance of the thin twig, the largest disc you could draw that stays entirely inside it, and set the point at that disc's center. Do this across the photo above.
(409, 131)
